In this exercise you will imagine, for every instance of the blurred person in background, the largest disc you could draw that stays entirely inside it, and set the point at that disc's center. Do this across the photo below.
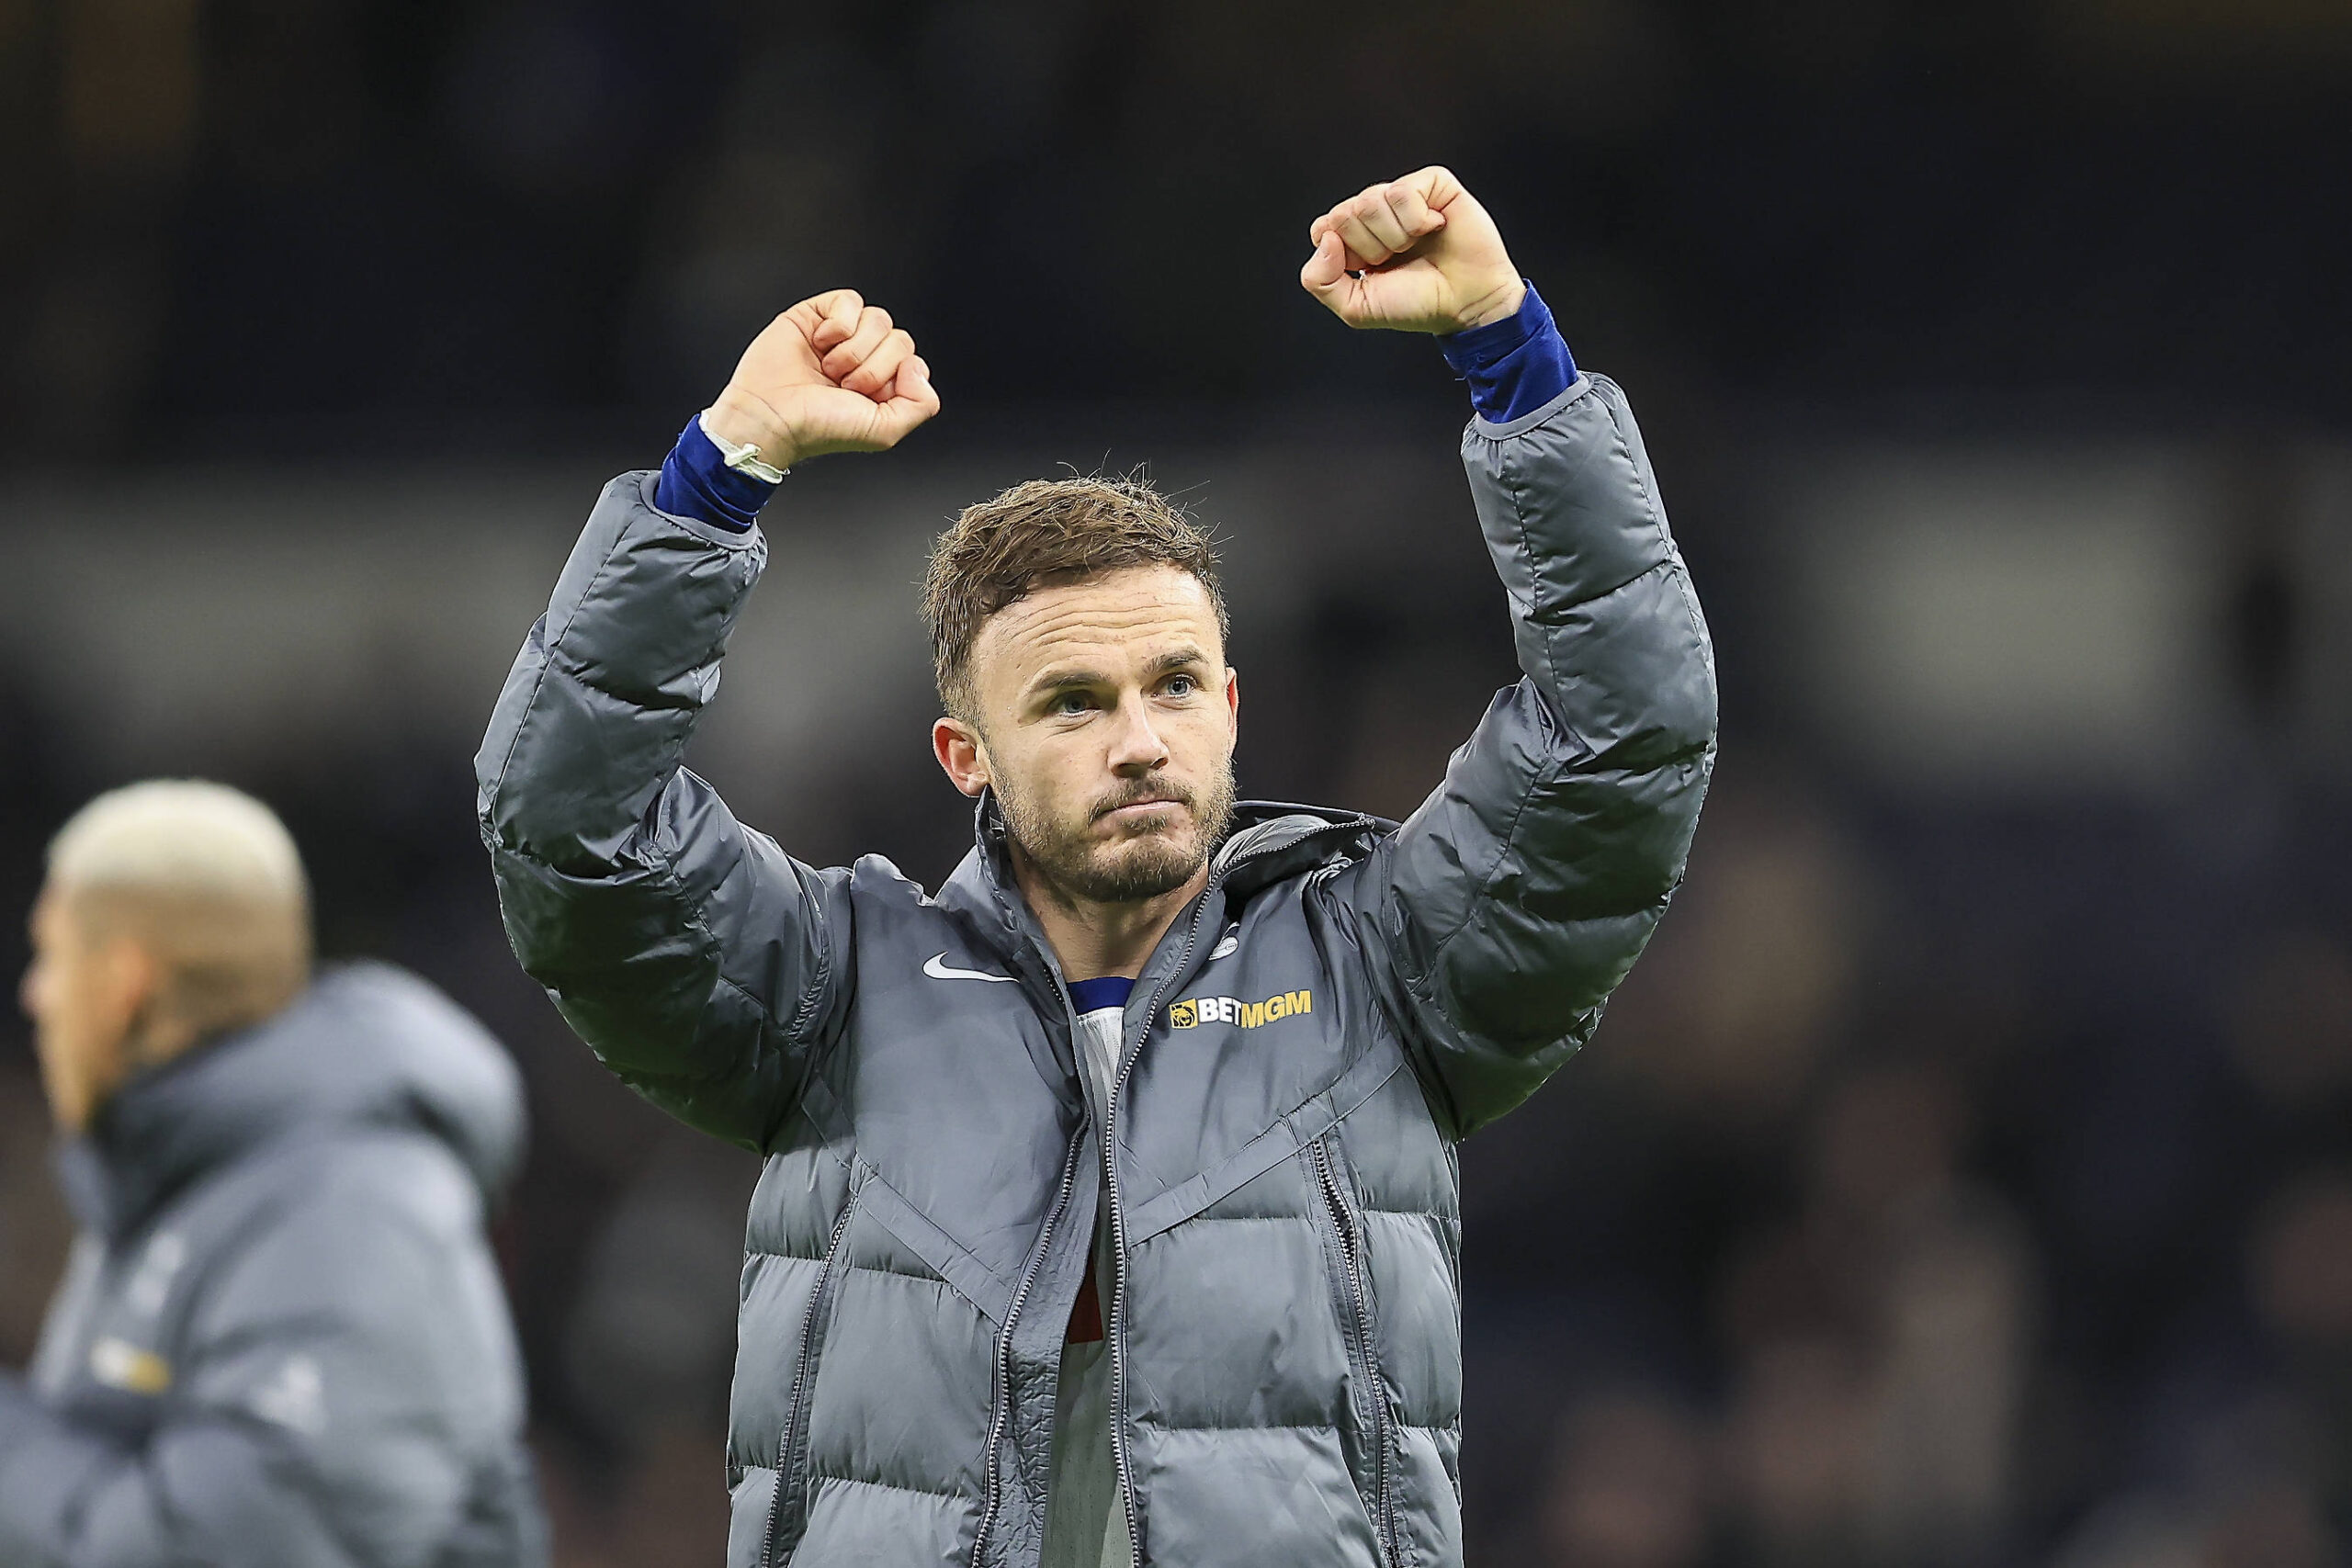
(281, 1339)
(1041, 1268)
(1630, 1486)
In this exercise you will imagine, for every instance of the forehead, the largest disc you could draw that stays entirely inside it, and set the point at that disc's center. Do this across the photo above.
(47, 920)
(1107, 622)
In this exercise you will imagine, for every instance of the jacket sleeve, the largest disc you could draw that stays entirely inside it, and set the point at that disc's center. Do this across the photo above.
(695, 957)
(1504, 912)
(325, 1414)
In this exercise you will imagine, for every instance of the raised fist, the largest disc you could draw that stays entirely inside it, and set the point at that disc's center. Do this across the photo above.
(1417, 254)
(830, 375)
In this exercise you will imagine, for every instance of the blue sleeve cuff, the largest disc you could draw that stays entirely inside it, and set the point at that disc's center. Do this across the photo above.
(1514, 366)
(697, 482)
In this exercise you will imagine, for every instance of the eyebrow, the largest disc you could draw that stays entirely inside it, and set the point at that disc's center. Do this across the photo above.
(1063, 680)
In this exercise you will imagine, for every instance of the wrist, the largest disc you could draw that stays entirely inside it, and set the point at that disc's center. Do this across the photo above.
(1499, 303)
(1513, 365)
(720, 484)
(740, 419)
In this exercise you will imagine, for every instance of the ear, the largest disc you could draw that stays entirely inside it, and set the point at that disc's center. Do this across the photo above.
(119, 982)
(961, 756)
(129, 977)
(1233, 700)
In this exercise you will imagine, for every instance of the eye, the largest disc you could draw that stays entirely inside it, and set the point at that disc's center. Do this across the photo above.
(1071, 702)
(1181, 686)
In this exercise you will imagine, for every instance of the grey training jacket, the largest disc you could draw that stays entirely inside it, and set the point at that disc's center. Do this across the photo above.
(1345, 1000)
(281, 1342)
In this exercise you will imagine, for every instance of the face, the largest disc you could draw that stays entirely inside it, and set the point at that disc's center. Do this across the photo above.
(84, 998)
(1106, 727)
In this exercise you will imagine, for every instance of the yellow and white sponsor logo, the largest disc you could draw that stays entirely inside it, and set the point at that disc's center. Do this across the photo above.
(1196, 1010)
(120, 1364)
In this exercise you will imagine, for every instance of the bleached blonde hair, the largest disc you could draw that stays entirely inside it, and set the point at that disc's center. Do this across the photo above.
(208, 880)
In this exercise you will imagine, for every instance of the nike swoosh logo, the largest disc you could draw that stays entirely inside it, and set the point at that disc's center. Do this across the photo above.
(937, 967)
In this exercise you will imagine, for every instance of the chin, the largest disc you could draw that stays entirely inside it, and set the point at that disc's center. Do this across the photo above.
(1146, 867)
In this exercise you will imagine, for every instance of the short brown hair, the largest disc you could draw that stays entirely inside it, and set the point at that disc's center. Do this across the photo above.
(1040, 534)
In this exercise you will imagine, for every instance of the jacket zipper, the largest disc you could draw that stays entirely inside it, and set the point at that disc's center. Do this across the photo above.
(796, 1412)
(1119, 1225)
(1359, 1302)
(1005, 1346)
(1118, 1239)
(1012, 1315)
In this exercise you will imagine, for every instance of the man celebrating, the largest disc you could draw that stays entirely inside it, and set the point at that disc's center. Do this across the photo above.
(281, 1342)
(1110, 1214)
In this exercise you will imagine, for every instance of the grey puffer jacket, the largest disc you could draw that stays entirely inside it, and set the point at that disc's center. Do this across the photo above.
(1345, 1001)
(281, 1342)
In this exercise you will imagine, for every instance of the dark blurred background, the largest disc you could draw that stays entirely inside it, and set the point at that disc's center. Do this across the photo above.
(1965, 1177)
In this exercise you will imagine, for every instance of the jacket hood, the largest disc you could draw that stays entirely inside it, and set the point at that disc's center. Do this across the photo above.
(1268, 840)
(366, 1045)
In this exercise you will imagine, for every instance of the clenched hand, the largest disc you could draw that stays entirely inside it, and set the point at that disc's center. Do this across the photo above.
(832, 374)
(1415, 254)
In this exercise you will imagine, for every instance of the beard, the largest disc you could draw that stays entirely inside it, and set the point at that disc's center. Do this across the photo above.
(1156, 859)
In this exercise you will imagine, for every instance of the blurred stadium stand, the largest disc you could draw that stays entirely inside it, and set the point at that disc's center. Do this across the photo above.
(1963, 1179)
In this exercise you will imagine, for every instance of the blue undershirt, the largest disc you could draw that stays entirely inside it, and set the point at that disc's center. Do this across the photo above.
(1110, 991)
(1514, 366)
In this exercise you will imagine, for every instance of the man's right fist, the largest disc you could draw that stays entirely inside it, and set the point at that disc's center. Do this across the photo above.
(830, 375)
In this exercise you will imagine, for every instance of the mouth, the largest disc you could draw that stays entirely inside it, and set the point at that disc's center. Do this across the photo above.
(1142, 810)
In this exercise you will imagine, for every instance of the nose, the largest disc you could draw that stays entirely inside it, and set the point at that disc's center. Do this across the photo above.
(1137, 750)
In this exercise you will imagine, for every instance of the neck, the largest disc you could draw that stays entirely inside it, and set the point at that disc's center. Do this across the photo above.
(150, 1041)
(1096, 940)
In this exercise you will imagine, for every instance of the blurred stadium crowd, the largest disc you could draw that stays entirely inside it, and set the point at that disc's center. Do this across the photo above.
(1965, 1177)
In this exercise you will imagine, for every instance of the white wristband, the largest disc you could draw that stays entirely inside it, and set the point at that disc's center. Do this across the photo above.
(744, 458)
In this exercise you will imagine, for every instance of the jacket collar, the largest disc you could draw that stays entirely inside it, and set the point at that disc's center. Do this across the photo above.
(152, 1137)
(1269, 840)
(1272, 841)
(366, 1045)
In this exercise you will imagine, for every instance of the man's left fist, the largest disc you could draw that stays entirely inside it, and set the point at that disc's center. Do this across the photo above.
(1417, 254)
